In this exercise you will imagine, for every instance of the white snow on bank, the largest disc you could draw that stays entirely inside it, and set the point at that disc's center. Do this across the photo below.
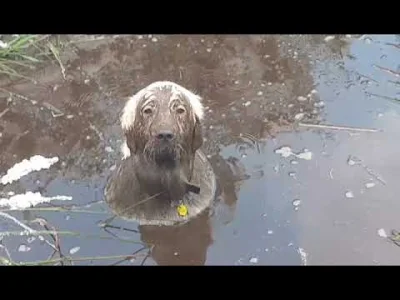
(29, 199)
(35, 163)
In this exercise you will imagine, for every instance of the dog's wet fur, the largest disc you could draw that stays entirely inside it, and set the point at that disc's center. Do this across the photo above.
(163, 134)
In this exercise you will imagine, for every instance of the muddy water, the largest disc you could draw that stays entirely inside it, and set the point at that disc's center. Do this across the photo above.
(272, 210)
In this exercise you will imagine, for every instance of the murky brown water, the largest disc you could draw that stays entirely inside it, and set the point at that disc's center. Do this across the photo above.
(256, 89)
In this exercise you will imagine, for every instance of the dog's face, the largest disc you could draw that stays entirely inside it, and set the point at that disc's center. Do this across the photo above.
(163, 124)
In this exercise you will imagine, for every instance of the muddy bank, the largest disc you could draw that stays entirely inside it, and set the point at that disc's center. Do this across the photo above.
(256, 89)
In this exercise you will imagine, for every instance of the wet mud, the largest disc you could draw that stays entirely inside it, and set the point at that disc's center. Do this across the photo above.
(260, 92)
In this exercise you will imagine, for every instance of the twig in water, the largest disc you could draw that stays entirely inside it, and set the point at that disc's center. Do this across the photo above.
(120, 228)
(330, 174)
(394, 45)
(338, 127)
(384, 97)
(56, 209)
(397, 74)
(147, 255)
(99, 134)
(27, 228)
(107, 221)
(55, 237)
(57, 57)
(57, 260)
(54, 110)
(10, 260)
(4, 112)
(133, 254)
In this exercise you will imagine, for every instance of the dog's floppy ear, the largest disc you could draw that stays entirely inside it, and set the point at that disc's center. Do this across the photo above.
(197, 139)
(128, 119)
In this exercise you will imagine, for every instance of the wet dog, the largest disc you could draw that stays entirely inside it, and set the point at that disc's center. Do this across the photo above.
(162, 166)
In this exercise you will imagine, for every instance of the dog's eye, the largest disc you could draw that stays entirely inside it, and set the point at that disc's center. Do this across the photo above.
(180, 110)
(147, 110)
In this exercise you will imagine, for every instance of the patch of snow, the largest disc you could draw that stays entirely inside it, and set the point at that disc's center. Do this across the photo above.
(35, 163)
(382, 233)
(29, 199)
(74, 250)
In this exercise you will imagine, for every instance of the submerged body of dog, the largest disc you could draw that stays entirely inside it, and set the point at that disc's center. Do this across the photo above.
(163, 166)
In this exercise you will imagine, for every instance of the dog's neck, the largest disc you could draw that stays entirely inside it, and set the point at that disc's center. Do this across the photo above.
(168, 182)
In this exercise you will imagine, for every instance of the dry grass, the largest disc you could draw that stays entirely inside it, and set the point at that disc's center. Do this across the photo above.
(20, 54)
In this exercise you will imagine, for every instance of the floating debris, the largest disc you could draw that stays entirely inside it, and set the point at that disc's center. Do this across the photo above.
(338, 127)
(287, 151)
(247, 103)
(369, 185)
(74, 250)
(154, 40)
(349, 194)
(29, 199)
(270, 232)
(303, 256)
(253, 260)
(266, 250)
(296, 203)
(382, 233)
(319, 104)
(109, 149)
(351, 161)
(86, 81)
(294, 162)
(329, 38)
(208, 50)
(299, 116)
(301, 98)
(284, 151)
(259, 93)
(307, 155)
(113, 167)
(31, 239)
(35, 163)
(292, 174)
(70, 117)
(24, 248)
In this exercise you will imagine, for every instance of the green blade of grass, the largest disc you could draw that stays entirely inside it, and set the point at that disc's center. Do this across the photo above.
(76, 259)
(23, 42)
(66, 233)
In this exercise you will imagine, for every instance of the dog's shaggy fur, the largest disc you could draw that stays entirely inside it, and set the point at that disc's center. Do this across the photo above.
(162, 156)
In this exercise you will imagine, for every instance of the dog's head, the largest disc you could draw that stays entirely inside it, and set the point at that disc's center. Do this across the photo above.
(162, 122)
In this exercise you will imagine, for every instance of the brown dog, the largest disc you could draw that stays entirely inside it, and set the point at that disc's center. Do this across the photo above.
(162, 166)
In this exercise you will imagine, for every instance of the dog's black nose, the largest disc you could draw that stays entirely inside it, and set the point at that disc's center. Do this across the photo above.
(165, 135)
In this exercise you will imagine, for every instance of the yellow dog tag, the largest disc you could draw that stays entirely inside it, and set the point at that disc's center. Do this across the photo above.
(182, 210)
